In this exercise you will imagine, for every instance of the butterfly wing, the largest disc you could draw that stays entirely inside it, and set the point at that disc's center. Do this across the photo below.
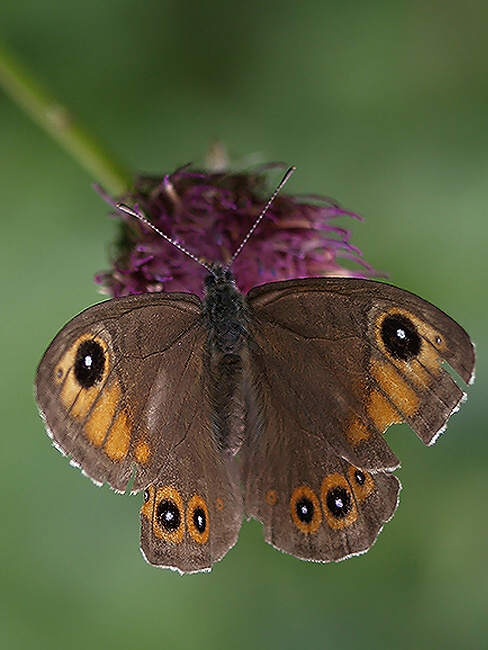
(123, 391)
(333, 363)
(101, 385)
(313, 503)
(193, 512)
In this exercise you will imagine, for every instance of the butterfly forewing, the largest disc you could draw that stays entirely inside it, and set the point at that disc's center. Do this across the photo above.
(101, 385)
(377, 350)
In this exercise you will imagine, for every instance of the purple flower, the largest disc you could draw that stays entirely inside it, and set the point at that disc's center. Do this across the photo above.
(210, 213)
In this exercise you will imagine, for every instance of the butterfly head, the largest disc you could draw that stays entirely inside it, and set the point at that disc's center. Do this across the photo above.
(218, 276)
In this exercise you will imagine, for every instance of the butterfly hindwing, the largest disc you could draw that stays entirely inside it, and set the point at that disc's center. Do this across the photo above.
(192, 513)
(317, 506)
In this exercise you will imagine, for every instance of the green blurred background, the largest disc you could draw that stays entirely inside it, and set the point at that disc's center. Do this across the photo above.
(383, 105)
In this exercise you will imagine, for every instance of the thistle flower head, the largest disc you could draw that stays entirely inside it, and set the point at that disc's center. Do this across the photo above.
(210, 213)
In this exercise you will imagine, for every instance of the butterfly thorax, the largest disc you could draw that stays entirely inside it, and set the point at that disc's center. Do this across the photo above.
(225, 312)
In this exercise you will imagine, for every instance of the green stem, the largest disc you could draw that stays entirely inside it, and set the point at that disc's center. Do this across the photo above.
(30, 95)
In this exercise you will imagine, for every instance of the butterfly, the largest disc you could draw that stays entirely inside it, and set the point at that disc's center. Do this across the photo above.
(270, 405)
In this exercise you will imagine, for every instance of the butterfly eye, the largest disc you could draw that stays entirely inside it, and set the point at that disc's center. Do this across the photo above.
(400, 337)
(89, 363)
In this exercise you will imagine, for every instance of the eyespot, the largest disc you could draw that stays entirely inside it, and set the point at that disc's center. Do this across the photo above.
(271, 497)
(359, 477)
(338, 503)
(362, 483)
(305, 509)
(197, 519)
(219, 502)
(148, 505)
(81, 373)
(169, 516)
(89, 363)
(400, 337)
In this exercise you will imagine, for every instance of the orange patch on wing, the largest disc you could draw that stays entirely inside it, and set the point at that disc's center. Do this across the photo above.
(117, 444)
(420, 370)
(142, 452)
(84, 401)
(271, 497)
(98, 424)
(398, 390)
(382, 411)
(357, 431)
(219, 502)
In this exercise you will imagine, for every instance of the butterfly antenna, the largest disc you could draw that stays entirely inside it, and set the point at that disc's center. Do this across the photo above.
(133, 213)
(260, 217)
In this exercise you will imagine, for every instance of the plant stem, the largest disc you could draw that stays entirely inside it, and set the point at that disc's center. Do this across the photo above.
(54, 118)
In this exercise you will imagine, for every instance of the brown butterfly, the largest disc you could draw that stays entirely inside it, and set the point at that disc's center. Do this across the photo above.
(271, 405)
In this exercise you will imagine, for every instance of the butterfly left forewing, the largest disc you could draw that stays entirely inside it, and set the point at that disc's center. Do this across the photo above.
(102, 385)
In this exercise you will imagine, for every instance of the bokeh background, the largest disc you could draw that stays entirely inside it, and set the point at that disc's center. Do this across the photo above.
(383, 105)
